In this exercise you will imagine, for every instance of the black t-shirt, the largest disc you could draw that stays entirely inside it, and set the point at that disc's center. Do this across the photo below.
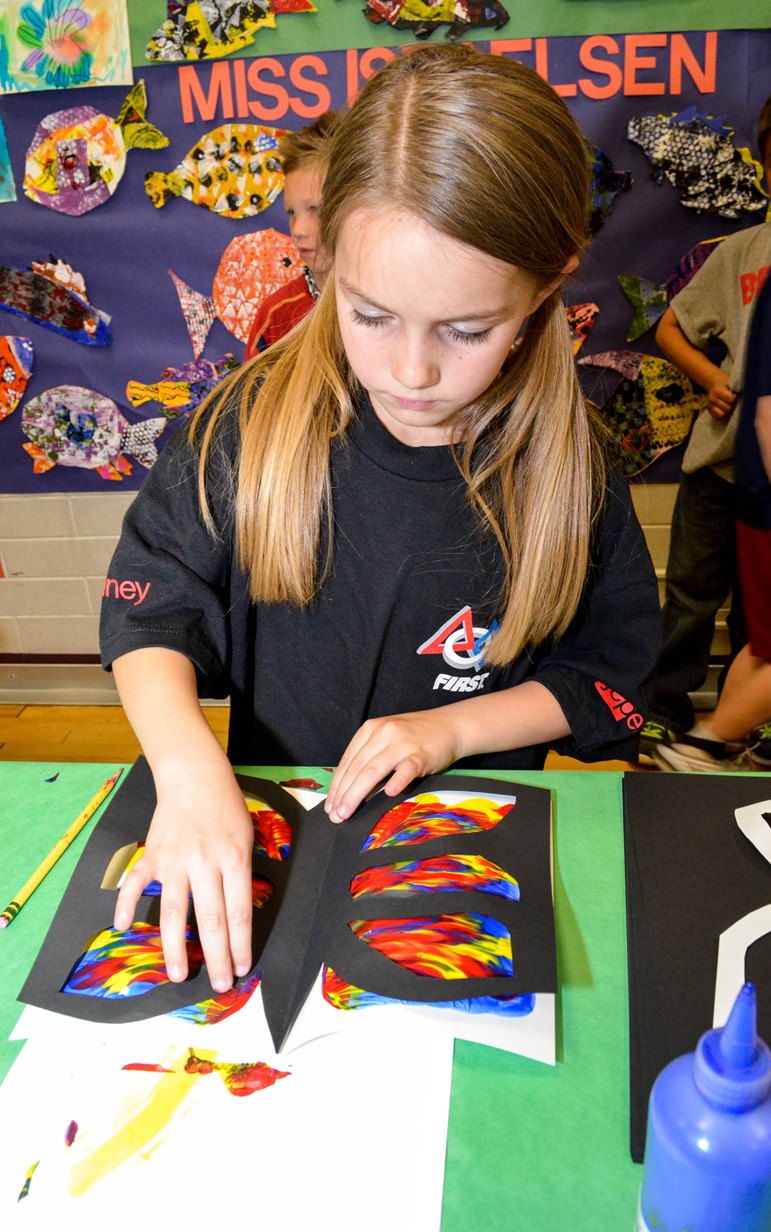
(399, 625)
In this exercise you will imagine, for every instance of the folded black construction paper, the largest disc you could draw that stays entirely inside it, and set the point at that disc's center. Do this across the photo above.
(306, 921)
(86, 909)
(312, 927)
(690, 875)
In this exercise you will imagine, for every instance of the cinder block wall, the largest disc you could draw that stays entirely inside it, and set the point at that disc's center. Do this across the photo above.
(54, 554)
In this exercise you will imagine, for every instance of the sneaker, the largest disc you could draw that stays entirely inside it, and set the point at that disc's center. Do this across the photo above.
(760, 745)
(693, 754)
(652, 734)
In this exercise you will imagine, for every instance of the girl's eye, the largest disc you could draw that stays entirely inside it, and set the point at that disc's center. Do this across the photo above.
(459, 335)
(359, 318)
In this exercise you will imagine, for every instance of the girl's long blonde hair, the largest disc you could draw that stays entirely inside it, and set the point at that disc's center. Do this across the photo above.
(486, 152)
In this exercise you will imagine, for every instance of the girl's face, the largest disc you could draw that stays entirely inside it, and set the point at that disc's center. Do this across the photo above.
(426, 322)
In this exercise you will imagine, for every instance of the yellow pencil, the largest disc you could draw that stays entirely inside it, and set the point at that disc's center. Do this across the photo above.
(29, 887)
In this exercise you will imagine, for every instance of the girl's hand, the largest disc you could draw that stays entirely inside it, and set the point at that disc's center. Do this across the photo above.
(404, 746)
(200, 843)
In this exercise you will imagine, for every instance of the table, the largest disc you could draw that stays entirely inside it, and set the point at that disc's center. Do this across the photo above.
(529, 1147)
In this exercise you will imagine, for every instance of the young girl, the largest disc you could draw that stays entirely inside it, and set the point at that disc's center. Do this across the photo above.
(391, 540)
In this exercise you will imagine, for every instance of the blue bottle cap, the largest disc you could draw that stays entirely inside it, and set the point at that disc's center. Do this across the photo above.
(732, 1067)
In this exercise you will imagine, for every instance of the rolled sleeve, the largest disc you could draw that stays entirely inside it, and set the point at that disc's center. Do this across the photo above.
(599, 671)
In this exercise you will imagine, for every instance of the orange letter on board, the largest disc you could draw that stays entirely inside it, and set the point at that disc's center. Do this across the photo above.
(604, 67)
(191, 92)
(267, 88)
(634, 63)
(542, 68)
(308, 85)
(681, 55)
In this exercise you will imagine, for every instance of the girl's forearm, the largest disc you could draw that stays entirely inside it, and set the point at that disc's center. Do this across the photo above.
(526, 714)
(157, 688)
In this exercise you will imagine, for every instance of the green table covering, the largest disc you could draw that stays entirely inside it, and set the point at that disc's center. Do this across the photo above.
(529, 1146)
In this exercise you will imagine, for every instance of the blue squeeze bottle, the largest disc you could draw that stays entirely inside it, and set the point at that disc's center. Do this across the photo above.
(708, 1143)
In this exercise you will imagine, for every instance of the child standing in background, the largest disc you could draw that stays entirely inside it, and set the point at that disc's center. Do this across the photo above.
(305, 158)
(392, 540)
(702, 569)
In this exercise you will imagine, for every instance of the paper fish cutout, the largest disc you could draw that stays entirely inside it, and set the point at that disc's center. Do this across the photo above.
(7, 182)
(422, 17)
(648, 412)
(72, 426)
(696, 154)
(581, 318)
(648, 300)
(234, 171)
(688, 266)
(53, 295)
(252, 267)
(180, 390)
(16, 358)
(208, 28)
(606, 184)
(77, 156)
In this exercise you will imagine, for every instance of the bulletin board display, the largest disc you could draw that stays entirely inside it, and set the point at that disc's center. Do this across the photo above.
(135, 297)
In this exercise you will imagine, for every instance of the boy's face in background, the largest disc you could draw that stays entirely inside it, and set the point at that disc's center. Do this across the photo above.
(302, 201)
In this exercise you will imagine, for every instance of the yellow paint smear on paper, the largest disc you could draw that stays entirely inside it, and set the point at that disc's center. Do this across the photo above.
(141, 1127)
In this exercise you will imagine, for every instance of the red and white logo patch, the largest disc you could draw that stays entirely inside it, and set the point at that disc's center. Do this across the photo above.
(622, 710)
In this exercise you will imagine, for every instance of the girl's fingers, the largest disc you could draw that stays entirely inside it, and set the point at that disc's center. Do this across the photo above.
(175, 901)
(238, 897)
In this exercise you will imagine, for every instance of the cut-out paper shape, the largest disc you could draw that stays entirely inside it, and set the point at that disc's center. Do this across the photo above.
(181, 390)
(70, 1133)
(689, 265)
(17, 356)
(251, 268)
(234, 171)
(606, 184)
(696, 154)
(302, 784)
(422, 17)
(427, 817)
(648, 300)
(581, 318)
(307, 921)
(207, 28)
(441, 873)
(647, 413)
(61, 44)
(7, 182)
(198, 310)
(77, 156)
(53, 295)
(463, 945)
(627, 363)
(344, 996)
(125, 963)
(72, 426)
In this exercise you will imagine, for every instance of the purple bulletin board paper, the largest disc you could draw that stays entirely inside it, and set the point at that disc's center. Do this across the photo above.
(125, 248)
